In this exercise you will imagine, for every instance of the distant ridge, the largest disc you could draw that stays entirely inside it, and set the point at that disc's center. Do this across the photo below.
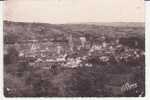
(121, 24)
(40, 31)
(115, 24)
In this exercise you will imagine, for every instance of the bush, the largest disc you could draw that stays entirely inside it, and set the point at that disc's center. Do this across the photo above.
(11, 57)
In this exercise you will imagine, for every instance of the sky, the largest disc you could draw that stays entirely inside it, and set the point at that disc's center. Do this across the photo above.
(74, 11)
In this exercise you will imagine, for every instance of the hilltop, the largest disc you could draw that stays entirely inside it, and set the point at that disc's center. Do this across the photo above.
(26, 31)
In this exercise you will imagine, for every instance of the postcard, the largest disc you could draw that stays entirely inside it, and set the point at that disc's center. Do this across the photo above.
(74, 48)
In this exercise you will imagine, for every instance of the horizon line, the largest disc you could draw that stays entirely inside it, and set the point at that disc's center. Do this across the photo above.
(76, 22)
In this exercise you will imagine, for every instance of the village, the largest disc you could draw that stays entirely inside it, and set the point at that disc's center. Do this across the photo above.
(71, 55)
(111, 65)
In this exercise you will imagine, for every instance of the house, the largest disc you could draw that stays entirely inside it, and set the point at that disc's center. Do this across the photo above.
(83, 41)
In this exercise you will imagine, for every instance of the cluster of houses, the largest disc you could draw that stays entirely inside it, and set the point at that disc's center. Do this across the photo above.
(71, 54)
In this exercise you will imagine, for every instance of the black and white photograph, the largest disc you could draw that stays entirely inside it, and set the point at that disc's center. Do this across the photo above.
(74, 48)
